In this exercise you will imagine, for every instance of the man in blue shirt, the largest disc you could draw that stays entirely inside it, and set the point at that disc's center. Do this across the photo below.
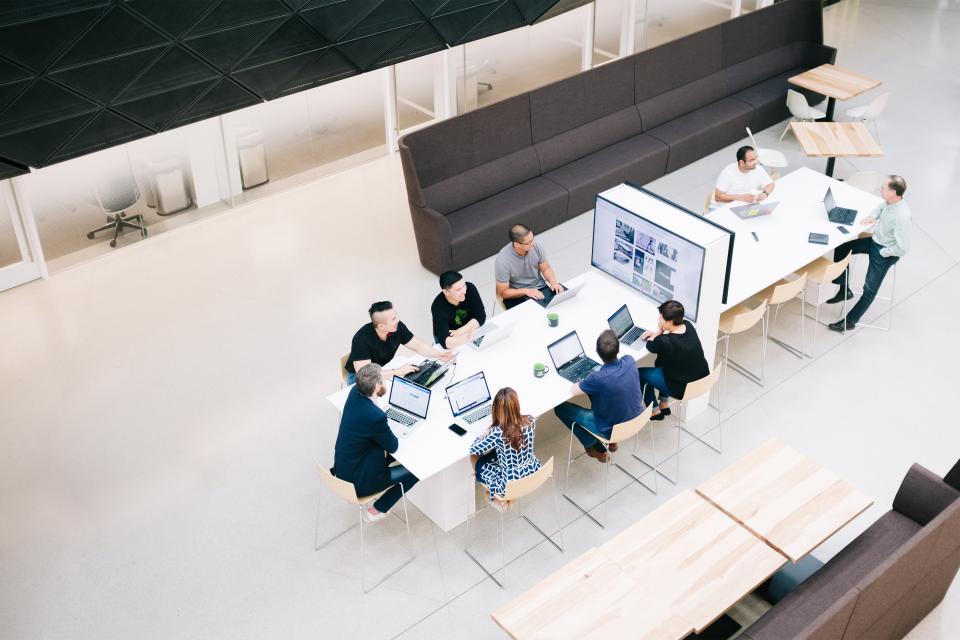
(615, 397)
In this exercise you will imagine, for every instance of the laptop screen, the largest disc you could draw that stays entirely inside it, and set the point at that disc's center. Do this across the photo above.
(828, 200)
(566, 349)
(468, 393)
(410, 397)
(621, 321)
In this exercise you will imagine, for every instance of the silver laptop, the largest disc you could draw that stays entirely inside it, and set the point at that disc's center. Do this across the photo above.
(489, 335)
(755, 210)
(470, 401)
(408, 406)
(569, 360)
(561, 297)
(621, 323)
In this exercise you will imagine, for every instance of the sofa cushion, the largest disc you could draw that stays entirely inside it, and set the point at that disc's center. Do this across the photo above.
(821, 612)
(682, 100)
(480, 229)
(583, 140)
(481, 182)
(759, 32)
(923, 495)
(760, 68)
(768, 99)
(677, 63)
(499, 130)
(639, 159)
(710, 127)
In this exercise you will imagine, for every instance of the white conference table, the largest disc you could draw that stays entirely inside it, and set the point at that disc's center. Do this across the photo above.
(782, 247)
(437, 456)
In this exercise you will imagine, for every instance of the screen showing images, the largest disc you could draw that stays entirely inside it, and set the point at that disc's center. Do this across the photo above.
(656, 262)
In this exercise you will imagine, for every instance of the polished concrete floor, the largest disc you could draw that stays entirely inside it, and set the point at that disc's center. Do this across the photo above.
(162, 408)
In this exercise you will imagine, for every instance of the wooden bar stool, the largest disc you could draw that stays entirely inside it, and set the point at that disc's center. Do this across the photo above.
(820, 272)
(778, 295)
(348, 493)
(738, 319)
(620, 433)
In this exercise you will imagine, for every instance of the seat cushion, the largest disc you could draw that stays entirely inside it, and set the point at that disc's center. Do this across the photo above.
(583, 140)
(480, 229)
(639, 159)
(473, 185)
(768, 99)
(703, 131)
(682, 100)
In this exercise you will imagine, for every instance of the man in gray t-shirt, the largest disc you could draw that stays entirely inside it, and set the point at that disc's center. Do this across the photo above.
(522, 270)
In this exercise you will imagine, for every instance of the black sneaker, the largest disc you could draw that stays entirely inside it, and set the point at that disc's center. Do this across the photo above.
(839, 297)
(841, 325)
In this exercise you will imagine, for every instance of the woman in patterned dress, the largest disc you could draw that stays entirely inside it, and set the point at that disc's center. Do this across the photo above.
(505, 451)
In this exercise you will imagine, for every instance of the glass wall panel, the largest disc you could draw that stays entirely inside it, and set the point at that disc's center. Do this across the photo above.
(609, 23)
(9, 247)
(668, 20)
(415, 84)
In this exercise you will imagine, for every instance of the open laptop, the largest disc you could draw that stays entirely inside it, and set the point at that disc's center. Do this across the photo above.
(754, 210)
(569, 360)
(408, 405)
(470, 401)
(837, 214)
(621, 323)
(551, 299)
(428, 372)
(489, 335)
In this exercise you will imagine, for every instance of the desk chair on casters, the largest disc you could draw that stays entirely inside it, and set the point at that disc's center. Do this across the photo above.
(820, 272)
(517, 489)
(347, 492)
(115, 197)
(620, 433)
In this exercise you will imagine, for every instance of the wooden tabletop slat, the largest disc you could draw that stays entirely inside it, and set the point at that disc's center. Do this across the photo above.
(834, 82)
(836, 139)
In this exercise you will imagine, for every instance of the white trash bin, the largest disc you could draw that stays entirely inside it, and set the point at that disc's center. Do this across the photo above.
(169, 186)
(253, 158)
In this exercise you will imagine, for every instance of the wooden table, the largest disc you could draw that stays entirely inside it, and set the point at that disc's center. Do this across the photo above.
(785, 498)
(835, 83)
(835, 139)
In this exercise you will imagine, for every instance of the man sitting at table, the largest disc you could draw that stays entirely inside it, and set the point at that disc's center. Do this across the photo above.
(890, 241)
(615, 397)
(457, 311)
(743, 180)
(378, 341)
(364, 444)
(522, 270)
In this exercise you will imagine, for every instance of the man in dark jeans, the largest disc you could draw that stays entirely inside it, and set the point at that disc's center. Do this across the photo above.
(890, 241)
(364, 445)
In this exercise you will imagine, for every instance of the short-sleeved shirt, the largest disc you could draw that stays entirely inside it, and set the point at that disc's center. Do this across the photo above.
(734, 182)
(367, 345)
(614, 392)
(521, 272)
(447, 317)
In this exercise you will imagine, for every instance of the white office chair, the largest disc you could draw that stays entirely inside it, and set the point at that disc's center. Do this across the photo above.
(800, 110)
(868, 113)
(767, 157)
(865, 181)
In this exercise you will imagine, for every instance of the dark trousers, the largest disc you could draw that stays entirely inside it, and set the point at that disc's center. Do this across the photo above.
(510, 303)
(876, 272)
(652, 381)
(398, 476)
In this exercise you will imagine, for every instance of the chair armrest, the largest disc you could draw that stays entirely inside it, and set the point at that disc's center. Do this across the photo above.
(434, 238)
(923, 495)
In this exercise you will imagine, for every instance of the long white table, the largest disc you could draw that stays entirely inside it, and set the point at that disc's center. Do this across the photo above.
(782, 247)
(437, 456)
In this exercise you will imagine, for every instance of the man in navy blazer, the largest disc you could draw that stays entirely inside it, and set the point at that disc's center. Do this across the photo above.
(364, 442)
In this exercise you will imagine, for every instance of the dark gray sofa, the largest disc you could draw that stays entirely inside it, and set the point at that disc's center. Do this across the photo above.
(541, 157)
(888, 579)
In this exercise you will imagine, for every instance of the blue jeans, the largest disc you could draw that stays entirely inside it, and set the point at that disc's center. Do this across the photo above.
(652, 380)
(351, 378)
(876, 272)
(398, 476)
(568, 413)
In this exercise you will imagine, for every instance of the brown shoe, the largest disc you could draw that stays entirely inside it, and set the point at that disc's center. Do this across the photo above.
(602, 456)
(613, 446)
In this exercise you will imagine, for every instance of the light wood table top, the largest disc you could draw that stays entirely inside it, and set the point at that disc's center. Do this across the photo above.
(834, 82)
(785, 498)
(836, 139)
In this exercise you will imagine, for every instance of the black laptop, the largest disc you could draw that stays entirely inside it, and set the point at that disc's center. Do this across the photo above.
(569, 360)
(836, 214)
(427, 373)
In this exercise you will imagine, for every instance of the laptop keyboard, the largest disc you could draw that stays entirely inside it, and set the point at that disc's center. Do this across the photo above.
(632, 335)
(579, 370)
(400, 417)
(424, 370)
(478, 414)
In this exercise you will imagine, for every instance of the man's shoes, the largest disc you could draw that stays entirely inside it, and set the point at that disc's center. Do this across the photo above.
(613, 446)
(840, 297)
(664, 411)
(598, 453)
(370, 517)
(658, 416)
(842, 325)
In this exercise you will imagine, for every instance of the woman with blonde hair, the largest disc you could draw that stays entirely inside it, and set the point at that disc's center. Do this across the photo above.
(505, 451)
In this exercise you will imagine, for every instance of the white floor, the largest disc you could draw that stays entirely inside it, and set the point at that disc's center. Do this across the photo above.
(162, 408)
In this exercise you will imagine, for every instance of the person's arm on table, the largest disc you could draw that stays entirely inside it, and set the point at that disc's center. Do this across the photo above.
(384, 437)
(767, 183)
(419, 346)
(506, 292)
(480, 446)
(387, 373)
(723, 196)
(547, 272)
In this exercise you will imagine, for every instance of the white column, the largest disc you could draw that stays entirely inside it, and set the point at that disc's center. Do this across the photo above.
(390, 116)
(444, 86)
(31, 236)
(589, 28)
(628, 28)
(735, 7)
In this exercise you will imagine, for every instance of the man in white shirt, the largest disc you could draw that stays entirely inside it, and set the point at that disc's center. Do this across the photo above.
(744, 180)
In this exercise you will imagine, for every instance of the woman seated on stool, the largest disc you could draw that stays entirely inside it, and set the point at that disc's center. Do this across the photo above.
(679, 359)
(504, 452)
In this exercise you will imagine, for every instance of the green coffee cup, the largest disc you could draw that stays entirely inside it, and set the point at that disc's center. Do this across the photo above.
(540, 370)
(553, 319)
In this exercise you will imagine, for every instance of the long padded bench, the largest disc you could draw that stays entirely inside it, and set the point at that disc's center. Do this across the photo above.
(540, 158)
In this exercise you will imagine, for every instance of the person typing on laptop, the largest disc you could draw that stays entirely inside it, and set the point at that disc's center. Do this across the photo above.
(680, 359)
(522, 270)
(457, 311)
(614, 392)
(365, 442)
(378, 341)
(743, 181)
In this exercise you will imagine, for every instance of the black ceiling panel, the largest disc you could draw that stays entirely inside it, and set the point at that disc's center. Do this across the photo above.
(77, 76)
(8, 170)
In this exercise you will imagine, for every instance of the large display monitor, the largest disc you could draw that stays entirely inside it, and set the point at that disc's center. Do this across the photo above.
(656, 262)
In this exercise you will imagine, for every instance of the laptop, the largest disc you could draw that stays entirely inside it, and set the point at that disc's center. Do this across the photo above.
(569, 360)
(551, 299)
(837, 214)
(621, 323)
(428, 372)
(755, 210)
(489, 335)
(408, 405)
(470, 401)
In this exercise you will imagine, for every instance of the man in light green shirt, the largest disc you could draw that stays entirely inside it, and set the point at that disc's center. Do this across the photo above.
(889, 242)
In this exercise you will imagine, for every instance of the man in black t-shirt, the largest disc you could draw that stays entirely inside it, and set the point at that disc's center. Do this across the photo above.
(457, 311)
(378, 341)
